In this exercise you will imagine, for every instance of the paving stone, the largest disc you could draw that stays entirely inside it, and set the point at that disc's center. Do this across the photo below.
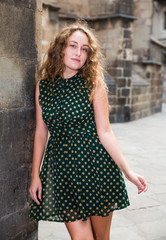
(153, 230)
(126, 233)
(52, 231)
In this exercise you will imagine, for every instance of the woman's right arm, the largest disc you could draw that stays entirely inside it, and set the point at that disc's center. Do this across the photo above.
(40, 141)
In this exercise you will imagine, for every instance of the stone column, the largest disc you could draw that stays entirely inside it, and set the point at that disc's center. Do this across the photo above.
(121, 67)
(19, 37)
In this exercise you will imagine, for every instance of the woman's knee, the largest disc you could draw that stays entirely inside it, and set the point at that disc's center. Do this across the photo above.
(80, 230)
(101, 236)
(101, 227)
(82, 238)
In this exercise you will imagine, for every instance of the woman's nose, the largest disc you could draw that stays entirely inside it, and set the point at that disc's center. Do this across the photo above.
(78, 51)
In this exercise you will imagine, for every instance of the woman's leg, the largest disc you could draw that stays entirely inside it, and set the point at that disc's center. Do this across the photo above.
(101, 227)
(80, 230)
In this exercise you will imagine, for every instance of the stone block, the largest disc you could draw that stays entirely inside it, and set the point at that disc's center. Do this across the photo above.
(13, 226)
(15, 91)
(17, 31)
(120, 63)
(112, 101)
(112, 118)
(14, 189)
(121, 101)
(116, 72)
(102, 25)
(125, 92)
(136, 90)
(127, 43)
(29, 84)
(127, 116)
(127, 34)
(119, 90)
(16, 142)
(121, 82)
(126, 23)
(128, 82)
(127, 72)
(134, 99)
(125, 54)
(111, 90)
(21, 4)
(128, 64)
(125, 7)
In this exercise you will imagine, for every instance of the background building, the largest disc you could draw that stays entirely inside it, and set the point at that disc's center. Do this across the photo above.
(133, 40)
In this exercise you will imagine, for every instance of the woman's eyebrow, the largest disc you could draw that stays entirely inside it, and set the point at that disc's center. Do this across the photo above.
(77, 43)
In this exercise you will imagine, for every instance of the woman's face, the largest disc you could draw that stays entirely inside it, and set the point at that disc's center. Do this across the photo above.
(76, 52)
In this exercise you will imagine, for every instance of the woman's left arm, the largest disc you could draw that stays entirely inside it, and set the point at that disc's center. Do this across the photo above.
(108, 139)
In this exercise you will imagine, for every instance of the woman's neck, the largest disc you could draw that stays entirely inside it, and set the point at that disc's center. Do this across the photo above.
(69, 74)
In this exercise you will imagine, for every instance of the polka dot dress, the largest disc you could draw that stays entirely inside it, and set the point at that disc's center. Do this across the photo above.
(79, 177)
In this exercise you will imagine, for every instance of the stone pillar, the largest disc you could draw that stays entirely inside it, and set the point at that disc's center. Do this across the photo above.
(124, 73)
(121, 68)
(19, 36)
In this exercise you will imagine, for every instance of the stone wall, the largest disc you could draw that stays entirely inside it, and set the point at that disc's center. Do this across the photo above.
(71, 7)
(18, 62)
(124, 29)
(147, 91)
(143, 11)
(148, 51)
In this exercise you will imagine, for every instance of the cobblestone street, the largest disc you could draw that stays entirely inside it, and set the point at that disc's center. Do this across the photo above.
(143, 143)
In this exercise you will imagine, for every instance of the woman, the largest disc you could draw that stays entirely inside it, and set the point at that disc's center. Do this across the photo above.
(80, 182)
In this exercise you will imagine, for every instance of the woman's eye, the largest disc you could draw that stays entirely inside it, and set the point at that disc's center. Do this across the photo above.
(72, 45)
(85, 49)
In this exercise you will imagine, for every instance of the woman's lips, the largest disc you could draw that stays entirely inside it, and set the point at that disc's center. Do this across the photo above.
(75, 59)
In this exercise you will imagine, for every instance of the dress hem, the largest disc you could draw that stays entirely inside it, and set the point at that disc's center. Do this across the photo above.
(83, 218)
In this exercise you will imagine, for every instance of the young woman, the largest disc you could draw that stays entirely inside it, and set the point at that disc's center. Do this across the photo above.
(81, 181)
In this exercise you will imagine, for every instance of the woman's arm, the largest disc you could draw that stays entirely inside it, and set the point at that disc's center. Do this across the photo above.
(40, 141)
(108, 139)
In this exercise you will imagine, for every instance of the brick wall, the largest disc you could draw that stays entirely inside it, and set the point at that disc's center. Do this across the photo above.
(123, 28)
(147, 94)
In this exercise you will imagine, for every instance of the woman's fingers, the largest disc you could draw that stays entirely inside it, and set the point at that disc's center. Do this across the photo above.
(36, 199)
(40, 193)
(35, 190)
(36, 194)
(139, 184)
(142, 186)
(139, 181)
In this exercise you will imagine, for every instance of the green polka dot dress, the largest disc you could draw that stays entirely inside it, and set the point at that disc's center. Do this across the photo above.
(79, 177)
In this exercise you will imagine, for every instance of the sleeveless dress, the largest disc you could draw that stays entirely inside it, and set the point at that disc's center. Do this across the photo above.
(79, 177)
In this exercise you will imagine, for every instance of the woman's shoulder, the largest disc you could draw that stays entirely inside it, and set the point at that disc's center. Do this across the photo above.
(43, 83)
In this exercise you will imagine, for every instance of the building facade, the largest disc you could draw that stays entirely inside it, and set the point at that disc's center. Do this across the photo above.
(133, 39)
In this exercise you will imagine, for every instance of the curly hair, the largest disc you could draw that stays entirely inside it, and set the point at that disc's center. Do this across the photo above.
(92, 71)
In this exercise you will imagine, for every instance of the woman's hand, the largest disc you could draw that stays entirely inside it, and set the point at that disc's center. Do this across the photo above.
(138, 180)
(35, 189)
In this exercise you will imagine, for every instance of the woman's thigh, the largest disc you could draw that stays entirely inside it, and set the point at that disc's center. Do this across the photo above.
(101, 227)
(80, 230)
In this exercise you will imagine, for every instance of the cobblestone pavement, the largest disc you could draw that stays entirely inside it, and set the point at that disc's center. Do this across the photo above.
(143, 143)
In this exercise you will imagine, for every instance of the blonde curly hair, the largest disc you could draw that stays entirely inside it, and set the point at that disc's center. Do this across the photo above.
(91, 72)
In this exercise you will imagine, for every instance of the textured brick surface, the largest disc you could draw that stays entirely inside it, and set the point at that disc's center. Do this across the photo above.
(122, 41)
